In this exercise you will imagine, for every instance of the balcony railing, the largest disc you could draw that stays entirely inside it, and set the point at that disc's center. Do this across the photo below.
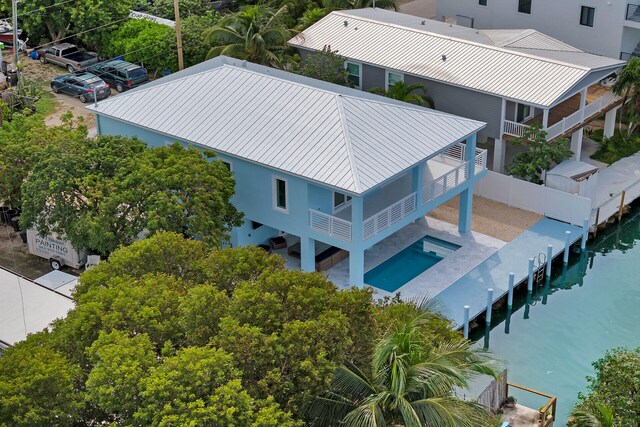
(446, 182)
(567, 123)
(633, 12)
(389, 216)
(481, 160)
(330, 225)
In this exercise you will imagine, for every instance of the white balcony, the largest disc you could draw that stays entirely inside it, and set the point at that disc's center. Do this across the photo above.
(331, 225)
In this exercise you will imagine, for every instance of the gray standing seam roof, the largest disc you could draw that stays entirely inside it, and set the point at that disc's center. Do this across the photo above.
(344, 138)
(522, 65)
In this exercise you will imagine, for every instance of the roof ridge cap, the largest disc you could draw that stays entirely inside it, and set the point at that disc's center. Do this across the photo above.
(457, 39)
(348, 146)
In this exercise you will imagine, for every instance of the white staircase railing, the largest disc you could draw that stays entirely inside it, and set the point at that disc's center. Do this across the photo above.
(388, 216)
(514, 128)
(331, 225)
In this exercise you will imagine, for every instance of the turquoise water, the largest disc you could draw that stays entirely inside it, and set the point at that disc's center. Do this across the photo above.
(590, 307)
(405, 265)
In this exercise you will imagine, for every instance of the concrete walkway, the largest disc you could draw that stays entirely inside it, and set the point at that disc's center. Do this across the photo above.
(471, 289)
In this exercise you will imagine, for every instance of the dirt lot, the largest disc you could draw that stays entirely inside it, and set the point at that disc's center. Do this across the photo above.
(491, 218)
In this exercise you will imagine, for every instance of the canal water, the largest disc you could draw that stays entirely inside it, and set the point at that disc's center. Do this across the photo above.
(552, 337)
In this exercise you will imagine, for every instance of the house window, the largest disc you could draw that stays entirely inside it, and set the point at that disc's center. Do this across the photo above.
(340, 200)
(524, 6)
(523, 113)
(227, 164)
(586, 16)
(393, 78)
(280, 201)
(482, 2)
(354, 74)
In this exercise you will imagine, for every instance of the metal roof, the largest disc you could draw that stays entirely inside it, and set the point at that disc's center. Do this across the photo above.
(532, 67)
(341, 137)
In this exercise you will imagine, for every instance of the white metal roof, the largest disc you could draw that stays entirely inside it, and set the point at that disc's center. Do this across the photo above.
(531, 67)
(341, 137)
(26, 307)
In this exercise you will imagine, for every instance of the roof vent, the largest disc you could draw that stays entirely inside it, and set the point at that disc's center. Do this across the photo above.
(423, 22)
(346, 23)
(444, 57)
(244, 64)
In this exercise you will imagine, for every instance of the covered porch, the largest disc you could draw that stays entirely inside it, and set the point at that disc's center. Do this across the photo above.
(564, 118)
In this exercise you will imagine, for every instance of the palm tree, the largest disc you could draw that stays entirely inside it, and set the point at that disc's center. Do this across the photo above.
(359, 4)
(402, 92)
(255, 33)
(628, 86)
(410, 385)
(310, 17)
(592, 415)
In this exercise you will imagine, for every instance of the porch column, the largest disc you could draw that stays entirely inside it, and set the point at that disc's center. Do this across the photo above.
(307, 254)
(545, 119)
(417, 177)
(356, 254)
(499, 152)
(576, 144)
(465, 210)
(576, 137)
(470, 155)
(610, 122)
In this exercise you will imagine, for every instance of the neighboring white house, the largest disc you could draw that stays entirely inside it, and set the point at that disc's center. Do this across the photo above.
(603, 27)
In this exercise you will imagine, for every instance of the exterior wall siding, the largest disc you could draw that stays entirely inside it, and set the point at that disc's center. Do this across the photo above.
(372, 77)
(559, 19)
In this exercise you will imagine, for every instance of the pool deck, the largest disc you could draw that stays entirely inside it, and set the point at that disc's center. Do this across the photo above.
(493, 272)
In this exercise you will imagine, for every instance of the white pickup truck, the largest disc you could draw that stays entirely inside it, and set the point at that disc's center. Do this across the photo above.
(68, 56)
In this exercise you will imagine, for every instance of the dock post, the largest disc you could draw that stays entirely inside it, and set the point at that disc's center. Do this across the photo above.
(466, 322)
(489, 305)
(549, 259)
(567, 244)
(512, 277)
(527, 305)
(530, 282)
(585, 234)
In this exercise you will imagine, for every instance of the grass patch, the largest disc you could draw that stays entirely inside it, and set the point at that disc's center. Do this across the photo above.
(46, 104)
(617, 147)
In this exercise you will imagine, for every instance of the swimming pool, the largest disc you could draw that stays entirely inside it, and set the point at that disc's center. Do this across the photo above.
(409, 263)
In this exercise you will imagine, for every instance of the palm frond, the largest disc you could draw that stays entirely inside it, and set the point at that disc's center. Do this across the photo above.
(451, 412)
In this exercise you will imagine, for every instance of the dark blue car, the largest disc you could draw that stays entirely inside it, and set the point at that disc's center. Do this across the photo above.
(84, 86)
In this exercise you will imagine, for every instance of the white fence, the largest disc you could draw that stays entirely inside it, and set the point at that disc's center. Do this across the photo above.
(542, 200)
(386, 217)
(514, 128)
(330, 225)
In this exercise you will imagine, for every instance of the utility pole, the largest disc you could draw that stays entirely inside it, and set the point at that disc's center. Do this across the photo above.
(14, 9)
(176, 9)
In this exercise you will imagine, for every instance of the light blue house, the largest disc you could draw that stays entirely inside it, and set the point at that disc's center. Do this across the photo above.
(331, 165)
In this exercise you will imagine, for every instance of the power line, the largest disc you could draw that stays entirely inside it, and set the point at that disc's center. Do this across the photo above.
(41, 9)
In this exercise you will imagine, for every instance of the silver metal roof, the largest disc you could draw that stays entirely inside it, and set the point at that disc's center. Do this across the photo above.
(341, 137)
(531, 67)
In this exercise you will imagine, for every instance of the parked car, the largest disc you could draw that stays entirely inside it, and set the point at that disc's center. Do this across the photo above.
(69, 56)
(85, 86)
(120, 74)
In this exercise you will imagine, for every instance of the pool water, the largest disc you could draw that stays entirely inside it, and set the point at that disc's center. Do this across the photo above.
(552, 338)
(408, 264)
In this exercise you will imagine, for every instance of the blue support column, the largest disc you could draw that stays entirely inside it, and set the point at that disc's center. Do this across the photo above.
(356, 254)
(549, 259)
(530, 278)
(510, 294)
(417, 177)
(466, 197)
(465, 325)
(307, 254)
(489, 305)
(567, 246)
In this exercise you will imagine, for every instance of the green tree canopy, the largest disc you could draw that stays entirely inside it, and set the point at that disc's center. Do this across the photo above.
(628, 86)
(144, 42)
(22, 140)
(256, 33)
(51, 20)
(359, 4)
(188, 8)
(169, 332)
(324, 65)
(103, 192)
(614, 391)
(414, 93)
(540, 156)
(194, 40)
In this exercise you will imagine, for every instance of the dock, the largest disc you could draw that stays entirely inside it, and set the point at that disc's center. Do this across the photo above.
(493, 272)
